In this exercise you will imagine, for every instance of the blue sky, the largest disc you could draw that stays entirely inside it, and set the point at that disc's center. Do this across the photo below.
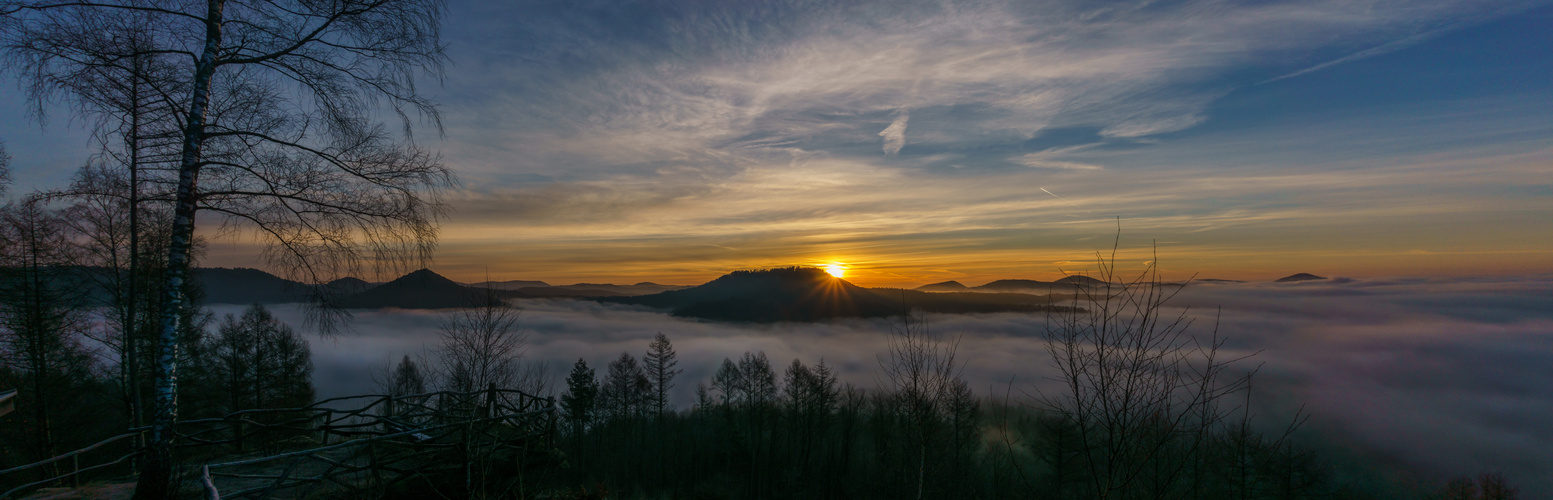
(924, 141)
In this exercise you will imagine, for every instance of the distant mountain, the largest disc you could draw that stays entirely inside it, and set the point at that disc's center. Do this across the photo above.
(1013, 285)
(809, 294)
(540, 289)
(786, 294)
(947, 286)
(348, 286)
(508, 285)
(247, 286)
(1062, 285)
(573, 291)
(643, 288)
(421, 289)
(252, 286)
(1298, 277)
(1079, 279)
(789, 294)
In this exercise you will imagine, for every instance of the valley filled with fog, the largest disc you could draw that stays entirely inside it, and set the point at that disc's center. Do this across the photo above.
(1439, 376)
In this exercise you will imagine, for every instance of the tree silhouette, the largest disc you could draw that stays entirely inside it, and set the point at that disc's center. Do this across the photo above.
(660, 366)
(42, 319)
(626, 390)
(481, 346)
(277, 134)
(262, 362)
(582, 389)
(406, 379)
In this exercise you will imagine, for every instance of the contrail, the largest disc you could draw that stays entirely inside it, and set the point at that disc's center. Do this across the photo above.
(1064, 200)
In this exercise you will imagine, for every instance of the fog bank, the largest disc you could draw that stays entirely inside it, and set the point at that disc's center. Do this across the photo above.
(1445, 376)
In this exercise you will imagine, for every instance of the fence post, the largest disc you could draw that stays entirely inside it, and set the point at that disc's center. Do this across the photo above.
(324, 427)
(388, 414)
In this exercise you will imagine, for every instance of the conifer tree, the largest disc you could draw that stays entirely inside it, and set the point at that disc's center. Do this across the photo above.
(660, 364)
(42, 319)
(262, 362)
(625, 390)
(582, 390)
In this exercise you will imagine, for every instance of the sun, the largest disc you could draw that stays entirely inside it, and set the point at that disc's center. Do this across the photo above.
(836, 270)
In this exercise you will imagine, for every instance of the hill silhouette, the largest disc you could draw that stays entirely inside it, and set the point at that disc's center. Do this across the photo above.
(947, 286)
(573, 291)
(1011, 285)
(1298, 277)
(1064, 285)
(348, 286)
(597, 290)
(509, 285)
(421, 289)
(1079, 279)
(811, 294)
(247, 286)
(784, 294)
(761, 296)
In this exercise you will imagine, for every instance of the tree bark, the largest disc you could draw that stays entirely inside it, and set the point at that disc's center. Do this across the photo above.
(131, 320)
(156, 477)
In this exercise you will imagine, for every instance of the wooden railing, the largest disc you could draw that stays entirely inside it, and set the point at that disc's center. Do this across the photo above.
(355, 441)
(73, 460)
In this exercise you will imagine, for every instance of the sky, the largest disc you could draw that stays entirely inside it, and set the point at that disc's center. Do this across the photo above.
(918, 142)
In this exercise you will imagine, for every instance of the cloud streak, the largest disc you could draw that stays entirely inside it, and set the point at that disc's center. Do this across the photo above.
(895, 135)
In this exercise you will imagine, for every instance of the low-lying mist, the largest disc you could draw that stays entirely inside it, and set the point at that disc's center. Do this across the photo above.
(1442, 377)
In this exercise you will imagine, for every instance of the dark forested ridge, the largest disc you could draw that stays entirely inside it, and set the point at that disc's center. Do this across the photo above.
(1064, 285)
(811, 294)
(422, 289)
(785, 294)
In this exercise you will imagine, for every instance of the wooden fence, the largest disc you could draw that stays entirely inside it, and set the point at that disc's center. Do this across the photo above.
(371, 441)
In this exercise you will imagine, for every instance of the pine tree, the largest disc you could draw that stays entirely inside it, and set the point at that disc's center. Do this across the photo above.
(582, 390)
(261, 362)
(625, 390)
(42, 321)
(661, 362)
(728, 383)
(760, 389)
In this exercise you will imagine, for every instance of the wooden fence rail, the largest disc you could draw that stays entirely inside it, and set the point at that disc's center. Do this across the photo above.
(345, 441)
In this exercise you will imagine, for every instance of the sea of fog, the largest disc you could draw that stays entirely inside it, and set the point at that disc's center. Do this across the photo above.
(1437, 376)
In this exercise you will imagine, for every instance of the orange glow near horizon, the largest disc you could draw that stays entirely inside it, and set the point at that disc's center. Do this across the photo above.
(837, 270)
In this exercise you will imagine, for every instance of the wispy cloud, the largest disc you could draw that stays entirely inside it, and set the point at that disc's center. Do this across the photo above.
(687, 85)
(895, 135)
(676, 141)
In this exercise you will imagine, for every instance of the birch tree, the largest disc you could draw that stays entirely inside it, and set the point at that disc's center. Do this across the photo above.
(481, 346)
(279, 134)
